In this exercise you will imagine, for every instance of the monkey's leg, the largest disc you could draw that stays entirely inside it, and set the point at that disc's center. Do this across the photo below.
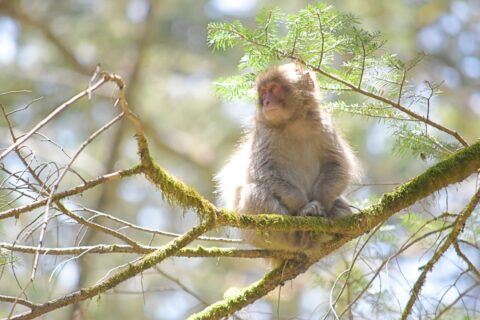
(254, 199)
(313, 208)
(333, 180)
(340, 208)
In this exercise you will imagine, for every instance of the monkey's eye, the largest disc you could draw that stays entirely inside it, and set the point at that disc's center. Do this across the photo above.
(272, 88)
(262, 92)
(275, 89)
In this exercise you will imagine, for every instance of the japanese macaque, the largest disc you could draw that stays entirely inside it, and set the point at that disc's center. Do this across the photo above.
(292, 162)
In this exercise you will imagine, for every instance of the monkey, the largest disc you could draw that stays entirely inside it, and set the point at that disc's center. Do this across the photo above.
(291, 162)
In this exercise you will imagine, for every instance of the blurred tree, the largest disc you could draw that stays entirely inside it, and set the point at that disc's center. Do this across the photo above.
(159, 48)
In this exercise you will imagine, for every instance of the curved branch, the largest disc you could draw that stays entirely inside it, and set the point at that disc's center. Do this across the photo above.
(18, 300)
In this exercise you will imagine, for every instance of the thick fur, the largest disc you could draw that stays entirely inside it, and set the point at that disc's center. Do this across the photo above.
(300, 166)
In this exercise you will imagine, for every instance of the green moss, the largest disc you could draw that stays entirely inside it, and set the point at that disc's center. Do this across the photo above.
(454, 169)
(283, 223)
(175, 191)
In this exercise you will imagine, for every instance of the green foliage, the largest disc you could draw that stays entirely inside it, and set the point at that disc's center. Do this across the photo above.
(236, 86)
(346, 58)
(6, 257)
(317, 36)
(371, 109)
(411, 138)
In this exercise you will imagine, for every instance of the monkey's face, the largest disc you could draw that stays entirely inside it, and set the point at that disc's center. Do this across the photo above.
(285, 93)
(272, 102)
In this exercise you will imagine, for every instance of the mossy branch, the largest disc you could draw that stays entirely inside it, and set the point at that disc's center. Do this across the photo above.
(454, 169)
(196, 252)
(289, 270)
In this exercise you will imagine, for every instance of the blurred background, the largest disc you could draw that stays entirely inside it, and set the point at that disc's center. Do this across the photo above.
(160, 50)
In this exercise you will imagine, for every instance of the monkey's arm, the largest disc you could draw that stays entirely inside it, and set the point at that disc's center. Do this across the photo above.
(333, 180)
(272, 195)
(289, 195)
(255, 198)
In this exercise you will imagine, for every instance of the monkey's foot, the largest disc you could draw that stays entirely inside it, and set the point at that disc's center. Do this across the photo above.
(313, 208)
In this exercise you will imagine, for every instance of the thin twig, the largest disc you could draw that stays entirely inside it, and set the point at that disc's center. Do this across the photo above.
(17, 300)
(52, 115)
(56, 185)
(76, 190)
(154, 231)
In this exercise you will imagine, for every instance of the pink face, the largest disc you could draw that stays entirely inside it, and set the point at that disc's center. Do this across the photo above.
(272, 99)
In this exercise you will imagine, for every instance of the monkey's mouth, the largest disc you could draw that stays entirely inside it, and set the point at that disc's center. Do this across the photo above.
(272, 107)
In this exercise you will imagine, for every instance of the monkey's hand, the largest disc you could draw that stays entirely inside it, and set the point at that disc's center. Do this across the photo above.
(313, 208)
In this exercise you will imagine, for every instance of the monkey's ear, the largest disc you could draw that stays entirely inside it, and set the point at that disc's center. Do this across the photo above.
(307, 81)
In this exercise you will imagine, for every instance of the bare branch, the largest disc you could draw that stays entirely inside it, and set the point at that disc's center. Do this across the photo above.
(52, 115)
(17, 300)
(77, 190)
(155, 231)
(457, 229)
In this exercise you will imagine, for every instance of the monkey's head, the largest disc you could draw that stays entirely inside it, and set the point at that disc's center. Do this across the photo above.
(284, 92)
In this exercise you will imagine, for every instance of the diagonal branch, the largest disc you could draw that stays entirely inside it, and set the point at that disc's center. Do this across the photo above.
(457, 229)
(470, 264)
(52, 115)
(453, 170)
(255, 291)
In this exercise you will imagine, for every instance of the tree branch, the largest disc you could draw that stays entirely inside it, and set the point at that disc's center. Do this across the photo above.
(197, 252)
(452, 170)
(457, 229)
(248, 295)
